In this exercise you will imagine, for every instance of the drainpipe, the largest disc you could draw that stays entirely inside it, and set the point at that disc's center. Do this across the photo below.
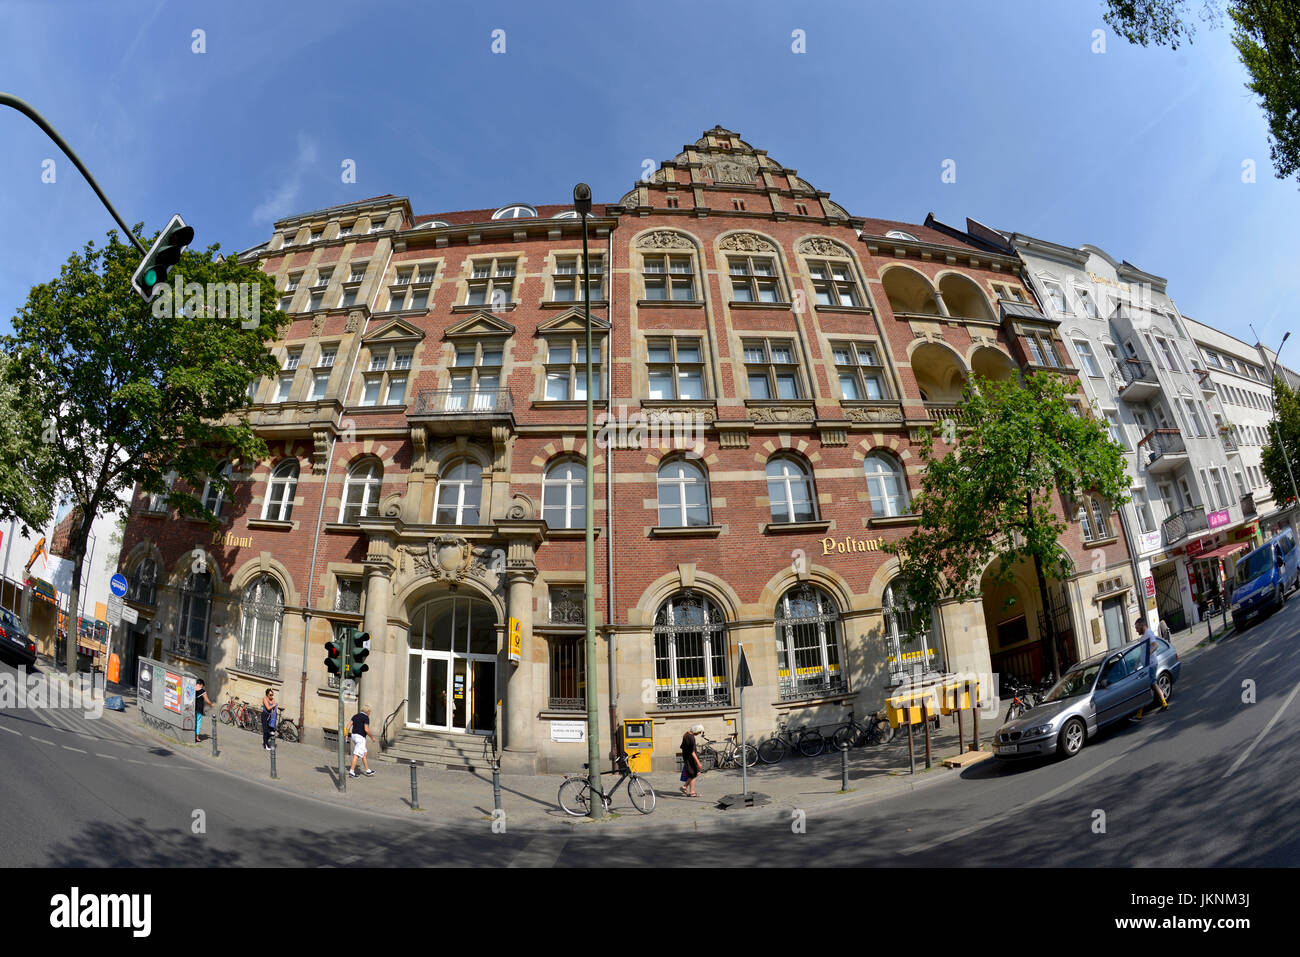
(609, 502)
(320, 515)
(1139, 586)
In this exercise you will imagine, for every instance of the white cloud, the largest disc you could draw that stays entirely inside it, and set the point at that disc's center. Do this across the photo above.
(284, 200)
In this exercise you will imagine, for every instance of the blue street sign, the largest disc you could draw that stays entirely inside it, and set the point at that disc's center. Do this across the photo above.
(117, 585)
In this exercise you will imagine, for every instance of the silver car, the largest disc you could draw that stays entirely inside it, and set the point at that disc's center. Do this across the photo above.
(1091, 695)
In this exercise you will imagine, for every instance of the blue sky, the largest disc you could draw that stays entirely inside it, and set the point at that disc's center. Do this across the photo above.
(1137, 151)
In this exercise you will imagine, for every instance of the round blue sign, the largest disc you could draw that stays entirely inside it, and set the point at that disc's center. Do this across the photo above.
(117, 585)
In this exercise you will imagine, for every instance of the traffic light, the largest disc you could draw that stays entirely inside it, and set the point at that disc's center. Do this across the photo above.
(357, 665)
(333, 658)
(161, 257)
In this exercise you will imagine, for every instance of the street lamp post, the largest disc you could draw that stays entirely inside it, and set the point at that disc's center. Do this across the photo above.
(1281, 440)
(596, 807)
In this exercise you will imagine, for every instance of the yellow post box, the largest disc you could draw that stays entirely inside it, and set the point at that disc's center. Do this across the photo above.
(639, 743)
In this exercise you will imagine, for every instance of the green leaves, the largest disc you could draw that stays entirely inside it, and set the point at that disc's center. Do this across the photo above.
(1284, 430)
(1022, 459)
(128, 390)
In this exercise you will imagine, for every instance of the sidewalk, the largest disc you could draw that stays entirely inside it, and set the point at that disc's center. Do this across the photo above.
(447, 796)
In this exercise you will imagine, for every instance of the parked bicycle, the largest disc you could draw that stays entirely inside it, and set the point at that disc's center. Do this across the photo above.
(1024, 696)
(285, 728)
(854, 734)
(730, 754)
(810, 743)
(238, 713)
(575, 792)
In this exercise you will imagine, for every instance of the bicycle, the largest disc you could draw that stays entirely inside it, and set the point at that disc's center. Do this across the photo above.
(810, 744)
(854, 734)
(575, 792)
(730, 755)
(285, 728)
(233, 712)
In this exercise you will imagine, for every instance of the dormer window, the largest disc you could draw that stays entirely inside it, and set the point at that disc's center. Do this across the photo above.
(900, 234)
(517, 211)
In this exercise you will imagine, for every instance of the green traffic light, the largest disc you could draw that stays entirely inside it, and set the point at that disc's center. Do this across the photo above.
(151, 277)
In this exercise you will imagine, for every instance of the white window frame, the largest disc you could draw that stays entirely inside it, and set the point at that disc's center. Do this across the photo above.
(277, 506)
(368, 476)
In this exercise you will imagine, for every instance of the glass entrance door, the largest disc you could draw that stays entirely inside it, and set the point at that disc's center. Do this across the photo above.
(1112, 614)
(451, 666)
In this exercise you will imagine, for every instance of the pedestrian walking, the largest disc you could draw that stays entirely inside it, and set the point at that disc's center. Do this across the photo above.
(200, 698)
(268, 717)
(690, 760)
(360, 732)
(1152, 652)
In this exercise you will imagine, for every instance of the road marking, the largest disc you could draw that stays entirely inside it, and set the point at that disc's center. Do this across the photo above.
(111, 757)
(542, 851)
(1272, 721)
(1020, 808)
(351, 858)
(11, 730)
(135, 761)
(43, 741)
(68, 747)
(1240, 664)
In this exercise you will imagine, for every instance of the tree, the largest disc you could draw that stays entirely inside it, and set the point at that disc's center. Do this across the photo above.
(27, 479)
(128, 391)
(1266, 34)
(1021, 451)
(1283, 430)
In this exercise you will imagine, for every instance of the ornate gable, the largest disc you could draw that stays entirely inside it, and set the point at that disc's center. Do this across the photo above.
(395, 330)
(481, 324)
(572, 320)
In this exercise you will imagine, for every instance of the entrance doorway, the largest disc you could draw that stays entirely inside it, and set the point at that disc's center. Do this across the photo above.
(452, 666)
(1168, 600)
(1112, 616)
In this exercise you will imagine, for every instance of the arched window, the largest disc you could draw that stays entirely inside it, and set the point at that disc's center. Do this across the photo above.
(564, 495)
(517, 211)
(459, 492)
(690, 653)
(361, 491)
(909, 658)
(887, 485)
(683, 495)
(213, 496)
(279, 494)
(808, 643)
(567, 214)
(790, 491)
(192, 622)
(900, 234)
(261, 611)
(144, 582)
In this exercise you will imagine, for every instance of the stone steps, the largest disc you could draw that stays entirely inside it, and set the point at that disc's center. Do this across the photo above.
(440, 749)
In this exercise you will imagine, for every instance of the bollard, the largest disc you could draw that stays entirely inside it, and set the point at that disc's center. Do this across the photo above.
(215, 722)
(496, 785)
(961, 734)
(911, 747)
(975, 724)
(925, 717)
(273, 774)
(844, 766)
(415, 794)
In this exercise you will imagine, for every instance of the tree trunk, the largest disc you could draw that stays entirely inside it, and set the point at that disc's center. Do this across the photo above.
(1047, 615)
(77, 545)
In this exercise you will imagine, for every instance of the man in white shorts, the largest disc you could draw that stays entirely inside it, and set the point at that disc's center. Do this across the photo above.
(360, 732)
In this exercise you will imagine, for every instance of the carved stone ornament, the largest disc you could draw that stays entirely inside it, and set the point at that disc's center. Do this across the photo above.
(391, 507)
(317, 323)
(781, 413)
(871, 414)
(354, 322)
(321, 452)
(680, 417)
(820, 246)
(521, 508)
(451, 559)
(631, 200)
(746, 242)
(731, 168)
(664, 239)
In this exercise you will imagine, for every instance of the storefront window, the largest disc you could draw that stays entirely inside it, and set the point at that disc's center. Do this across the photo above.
(690, 653)
(908, 658)
(808, 636)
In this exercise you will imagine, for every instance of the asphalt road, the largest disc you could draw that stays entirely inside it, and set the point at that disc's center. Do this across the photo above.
(1206, 784)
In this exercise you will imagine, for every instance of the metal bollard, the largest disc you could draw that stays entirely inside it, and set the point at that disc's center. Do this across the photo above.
(273, 774)
(925, 716)
(844, 766)
(215, 722)
(496, 785)
(415, 794)
(911, 747)
(975, 721)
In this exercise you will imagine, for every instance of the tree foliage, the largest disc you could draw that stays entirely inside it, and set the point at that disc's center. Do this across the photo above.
(1283, 431)
(126, 392)
(1020, 458)
(1266, 34)
(27, 477)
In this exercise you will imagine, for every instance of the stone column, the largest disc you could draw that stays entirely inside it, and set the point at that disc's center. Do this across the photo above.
(519, 717)
(381, 685)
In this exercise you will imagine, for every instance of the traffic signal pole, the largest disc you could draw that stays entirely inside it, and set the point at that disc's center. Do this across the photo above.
(25, 108)
(343, 774)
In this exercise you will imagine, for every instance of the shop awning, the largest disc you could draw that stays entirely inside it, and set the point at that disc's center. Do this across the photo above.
(1224, 551)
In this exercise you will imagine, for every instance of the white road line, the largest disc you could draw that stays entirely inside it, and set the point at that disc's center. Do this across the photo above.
(135, 761)
(111, 757)
(1272, 721)
(68, 747)
(11, 730)
(350, 859)
(542, 851)
(1231, 674)
(42, 741)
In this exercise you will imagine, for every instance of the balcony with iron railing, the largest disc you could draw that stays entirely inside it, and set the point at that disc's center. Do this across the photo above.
(1228, 439)
(1135, 381)
(463, 410)
(1165, 450)
(940, 411)
(1187, 522)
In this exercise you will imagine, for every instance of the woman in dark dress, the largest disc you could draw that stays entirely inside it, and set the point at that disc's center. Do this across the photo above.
(690, 760)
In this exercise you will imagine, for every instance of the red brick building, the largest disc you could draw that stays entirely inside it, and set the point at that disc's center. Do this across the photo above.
(765, 363)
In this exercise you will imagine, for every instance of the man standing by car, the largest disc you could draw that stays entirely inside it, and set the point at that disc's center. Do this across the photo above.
(1153, 651)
